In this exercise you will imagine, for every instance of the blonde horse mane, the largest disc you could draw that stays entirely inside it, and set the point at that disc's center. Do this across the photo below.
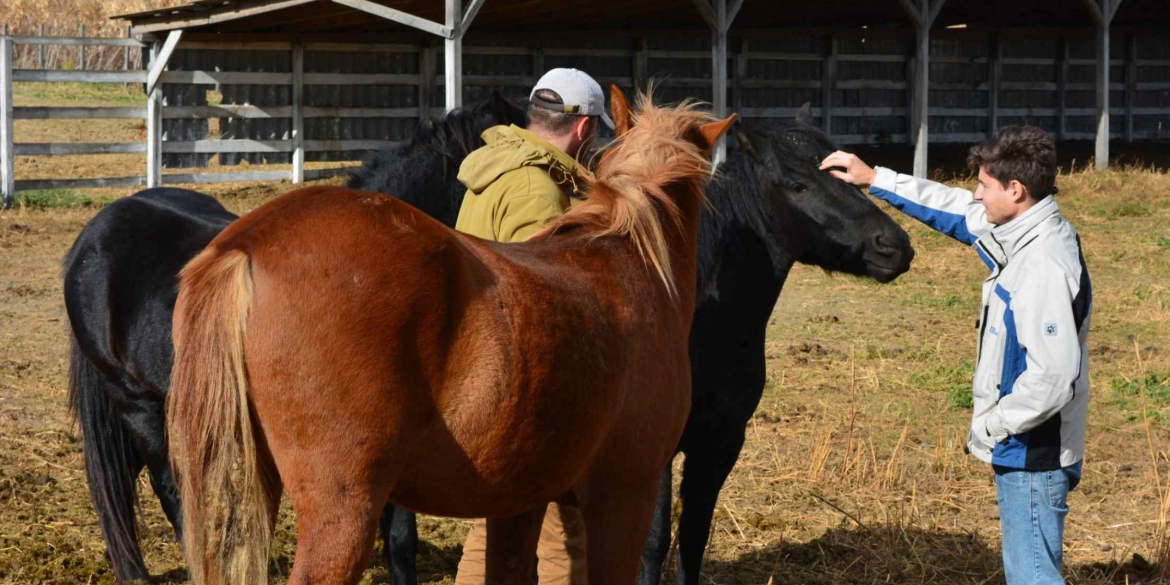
(627, 196)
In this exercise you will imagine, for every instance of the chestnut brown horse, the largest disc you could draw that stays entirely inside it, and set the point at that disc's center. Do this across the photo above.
(345, 347)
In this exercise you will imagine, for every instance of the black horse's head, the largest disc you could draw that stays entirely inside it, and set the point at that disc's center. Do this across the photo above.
(423, 171)
(817, 218)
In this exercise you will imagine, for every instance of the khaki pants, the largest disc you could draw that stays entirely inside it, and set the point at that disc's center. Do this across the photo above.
(560, 552)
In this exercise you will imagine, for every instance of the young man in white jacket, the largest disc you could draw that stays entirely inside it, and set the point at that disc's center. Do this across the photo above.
(1031, 386)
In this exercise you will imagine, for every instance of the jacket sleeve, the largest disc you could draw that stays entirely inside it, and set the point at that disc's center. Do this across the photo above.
(949, 210)
(1045, 326)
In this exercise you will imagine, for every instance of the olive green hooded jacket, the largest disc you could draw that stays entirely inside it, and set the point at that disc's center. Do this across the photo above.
(515, 183)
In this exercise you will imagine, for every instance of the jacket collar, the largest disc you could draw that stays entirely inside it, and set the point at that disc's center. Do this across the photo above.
(1004, 241)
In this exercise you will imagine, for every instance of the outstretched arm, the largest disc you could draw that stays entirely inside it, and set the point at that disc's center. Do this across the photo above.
(949, 210)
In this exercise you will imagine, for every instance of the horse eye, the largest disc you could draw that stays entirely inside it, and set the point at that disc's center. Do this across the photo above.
(797, 188)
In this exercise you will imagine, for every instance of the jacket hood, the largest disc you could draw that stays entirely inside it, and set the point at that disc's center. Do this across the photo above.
(509, 148)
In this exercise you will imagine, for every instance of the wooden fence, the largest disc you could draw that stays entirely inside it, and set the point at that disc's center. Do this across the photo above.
(281, 102)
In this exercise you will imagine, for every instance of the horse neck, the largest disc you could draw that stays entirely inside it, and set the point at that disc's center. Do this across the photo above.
(684, 245)
(738, 238)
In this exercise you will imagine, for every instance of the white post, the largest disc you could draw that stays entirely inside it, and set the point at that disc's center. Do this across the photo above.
(298, 113)
(7, 164)
(922, 92)
(719, 73)
(154, 129)
(453, 56)
(1101, 154)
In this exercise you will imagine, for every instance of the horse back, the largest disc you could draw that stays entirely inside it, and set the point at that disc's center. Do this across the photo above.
(120, 277)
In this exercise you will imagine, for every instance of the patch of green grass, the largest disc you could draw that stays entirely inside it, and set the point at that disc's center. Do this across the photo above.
(58, 199)
(952, 378)
(1154, 386)
(50, 94)
(1121, 207)
(1163, 241)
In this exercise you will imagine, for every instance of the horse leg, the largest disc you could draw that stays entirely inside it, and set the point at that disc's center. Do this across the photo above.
(617, 521)
(704, 473)
(146, 424)
(658, 544)
(511, 548)
(399, 528)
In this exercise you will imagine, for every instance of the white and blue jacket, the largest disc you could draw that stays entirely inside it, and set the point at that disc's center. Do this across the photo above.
(1031, 385)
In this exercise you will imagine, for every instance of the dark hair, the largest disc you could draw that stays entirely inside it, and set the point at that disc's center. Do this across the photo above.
(558, 123)
(1019, 153)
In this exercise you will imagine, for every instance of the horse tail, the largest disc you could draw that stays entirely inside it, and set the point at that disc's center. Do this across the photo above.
(110, 464)
(225, 475)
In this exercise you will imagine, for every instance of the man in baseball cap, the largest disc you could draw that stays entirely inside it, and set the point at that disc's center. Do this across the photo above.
(515, 183)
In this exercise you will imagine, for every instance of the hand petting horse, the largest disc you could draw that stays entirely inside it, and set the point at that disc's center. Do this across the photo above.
(344, 346)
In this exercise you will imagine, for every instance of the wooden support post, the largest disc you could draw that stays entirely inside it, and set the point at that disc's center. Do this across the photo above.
(41, 48)
(828, 82)
(641, 63)
(298, 113)
(741, 61)
(719, 73)
(125, 54)
(154, 130)
(1062, 91)
(426, 82)
(7, 150)
(994, 75)
(1130, 85)
(921, 96)
(81, 51)
(1101, 152)
(911, 121)
(453, 56)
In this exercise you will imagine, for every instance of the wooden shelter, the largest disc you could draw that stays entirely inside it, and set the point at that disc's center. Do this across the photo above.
(332, 79)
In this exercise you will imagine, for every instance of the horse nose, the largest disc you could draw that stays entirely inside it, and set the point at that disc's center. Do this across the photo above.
(893, 245)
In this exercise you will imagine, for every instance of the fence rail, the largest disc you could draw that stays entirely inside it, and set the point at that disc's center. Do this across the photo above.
(334, 101)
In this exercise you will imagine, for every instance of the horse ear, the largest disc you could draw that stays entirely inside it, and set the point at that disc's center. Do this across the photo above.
(804, 114)
(748, 141)
(620, 108)
(711, 131)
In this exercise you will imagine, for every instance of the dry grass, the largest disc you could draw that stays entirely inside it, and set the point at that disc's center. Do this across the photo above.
(853, 471)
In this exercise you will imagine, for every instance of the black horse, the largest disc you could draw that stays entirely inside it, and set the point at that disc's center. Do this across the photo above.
(120, 288)
(770, 208)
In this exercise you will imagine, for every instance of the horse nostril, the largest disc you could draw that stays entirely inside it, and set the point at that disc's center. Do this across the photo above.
(883, 245)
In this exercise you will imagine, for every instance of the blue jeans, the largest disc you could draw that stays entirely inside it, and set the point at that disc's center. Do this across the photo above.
(1032, 507)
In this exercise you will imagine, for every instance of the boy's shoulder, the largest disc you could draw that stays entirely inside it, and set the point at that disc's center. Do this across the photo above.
(1057, 247)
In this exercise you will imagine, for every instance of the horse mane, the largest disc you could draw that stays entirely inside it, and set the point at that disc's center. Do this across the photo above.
(627, 196)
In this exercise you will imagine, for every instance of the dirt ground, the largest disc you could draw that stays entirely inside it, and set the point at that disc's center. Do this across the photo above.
(853, 471)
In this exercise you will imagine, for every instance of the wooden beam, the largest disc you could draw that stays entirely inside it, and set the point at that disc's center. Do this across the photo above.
(913, 13)
(157, 66)
(401, 17)
(469, 15)
(453, 58)
(46, 113)
(934, 10)
(213, 17)
(732, 12)
(1095, 11)
(1113, 10)
(1101, 152)
(708, 13)
(7, 164)
(298, 113)
(154, 130)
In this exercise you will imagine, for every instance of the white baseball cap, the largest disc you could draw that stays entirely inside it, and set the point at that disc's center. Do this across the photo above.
(579, 92)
